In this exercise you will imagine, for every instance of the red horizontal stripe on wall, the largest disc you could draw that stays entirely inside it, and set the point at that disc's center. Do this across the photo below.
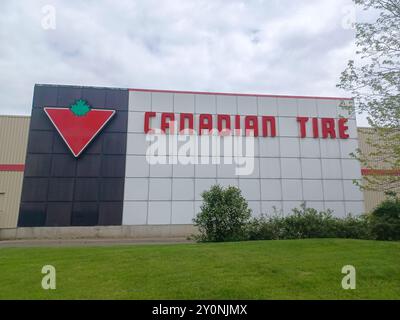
(12, 167)
(239, 94)
(380, 172)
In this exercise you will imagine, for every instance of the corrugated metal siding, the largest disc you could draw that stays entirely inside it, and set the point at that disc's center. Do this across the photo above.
(10, 186)
(371, 198)
(13, 139)
(13, 142)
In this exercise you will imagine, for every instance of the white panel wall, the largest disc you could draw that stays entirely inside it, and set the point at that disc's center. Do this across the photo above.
(288, 170)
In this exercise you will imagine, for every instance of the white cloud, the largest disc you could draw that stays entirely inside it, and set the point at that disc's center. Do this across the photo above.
(279, 47)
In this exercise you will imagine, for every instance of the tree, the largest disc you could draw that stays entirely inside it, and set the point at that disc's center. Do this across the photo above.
(224, 215)
(375, 86)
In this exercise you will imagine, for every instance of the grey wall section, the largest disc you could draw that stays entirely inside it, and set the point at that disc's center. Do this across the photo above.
(59, 190)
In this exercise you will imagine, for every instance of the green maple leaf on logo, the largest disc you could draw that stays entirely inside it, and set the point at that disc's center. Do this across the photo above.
(80, 108)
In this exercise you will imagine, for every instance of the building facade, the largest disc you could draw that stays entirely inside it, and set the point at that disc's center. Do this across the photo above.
(112, 157)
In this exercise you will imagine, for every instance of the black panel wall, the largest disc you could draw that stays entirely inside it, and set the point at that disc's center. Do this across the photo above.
(60, 190)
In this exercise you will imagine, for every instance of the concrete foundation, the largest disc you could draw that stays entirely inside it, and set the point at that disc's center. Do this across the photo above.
(99, 232)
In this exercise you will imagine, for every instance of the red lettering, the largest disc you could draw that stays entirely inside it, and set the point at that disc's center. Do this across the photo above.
(343, 128)
(147, 116)
(237, 125)
(167, 124)
(251, 125)
(227, 119)
(205, 123)
(272, 122)
(315, 127)
(328, 128)
(302, 122)
(183, 117)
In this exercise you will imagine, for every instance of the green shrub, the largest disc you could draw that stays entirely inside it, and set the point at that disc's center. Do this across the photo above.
(224, 215)
(385, 220)
(307, 223)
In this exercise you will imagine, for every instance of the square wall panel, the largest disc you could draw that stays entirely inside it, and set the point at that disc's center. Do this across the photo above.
(269, 147)
(61, 189)
(292, 190)
(113, 166)
(58, 214)
(86, 189)
(40, 142)
(159, 212)
(288, 127)
(287, 107)
(32, 215)
(307, 107)
(183, 189)
(345, 112)
(34, 190)
(63, 165)
(38, 165)
(330, 148)
(228, 182)
(85, 214)
(182, 212)
(310, 148)
(291, 168)
(139, 101)
(328, 108)
(290, 147)
(311, 168)
(333, 190)
(352, 129)
(110, 213)
(183, 170)
(270, 168)
(89, 165)
(351, 169)
(205, 168)
(162, 101)
(313, 190)
(247, 105)
(355, 207)
(271, 189)
(253, 168)
(137, 144)
(352, 192)
(137, 166)
(255, 207)
(136, 189)
(183, 103)
(135, 213)
(348, 146)
(136, 122)
(331, 169)
(269, 208)
(160, 189)
(267, 106)
(288, 207)
(250, 189)
(45, 96)
(226, 105)
(161, 170)
(202, 185)
(337, 207)
(205, 103)
(317, 205)
(112, 189)
(226, 170)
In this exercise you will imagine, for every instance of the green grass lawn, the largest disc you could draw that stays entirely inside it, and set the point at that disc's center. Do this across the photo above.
(285, 269)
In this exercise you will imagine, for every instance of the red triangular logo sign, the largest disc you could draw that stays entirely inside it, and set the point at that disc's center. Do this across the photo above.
(79, 130)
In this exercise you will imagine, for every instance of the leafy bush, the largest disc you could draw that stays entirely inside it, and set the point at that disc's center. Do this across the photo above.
(224, 215)
(385, 220)
(307, 223)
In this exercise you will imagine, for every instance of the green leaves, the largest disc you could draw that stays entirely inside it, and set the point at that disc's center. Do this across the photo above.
(80, 108)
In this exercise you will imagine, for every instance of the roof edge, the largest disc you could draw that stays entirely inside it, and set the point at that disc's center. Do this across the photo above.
(241, 94)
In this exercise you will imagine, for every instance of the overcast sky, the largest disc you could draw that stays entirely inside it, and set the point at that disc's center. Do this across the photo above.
(272, 46)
